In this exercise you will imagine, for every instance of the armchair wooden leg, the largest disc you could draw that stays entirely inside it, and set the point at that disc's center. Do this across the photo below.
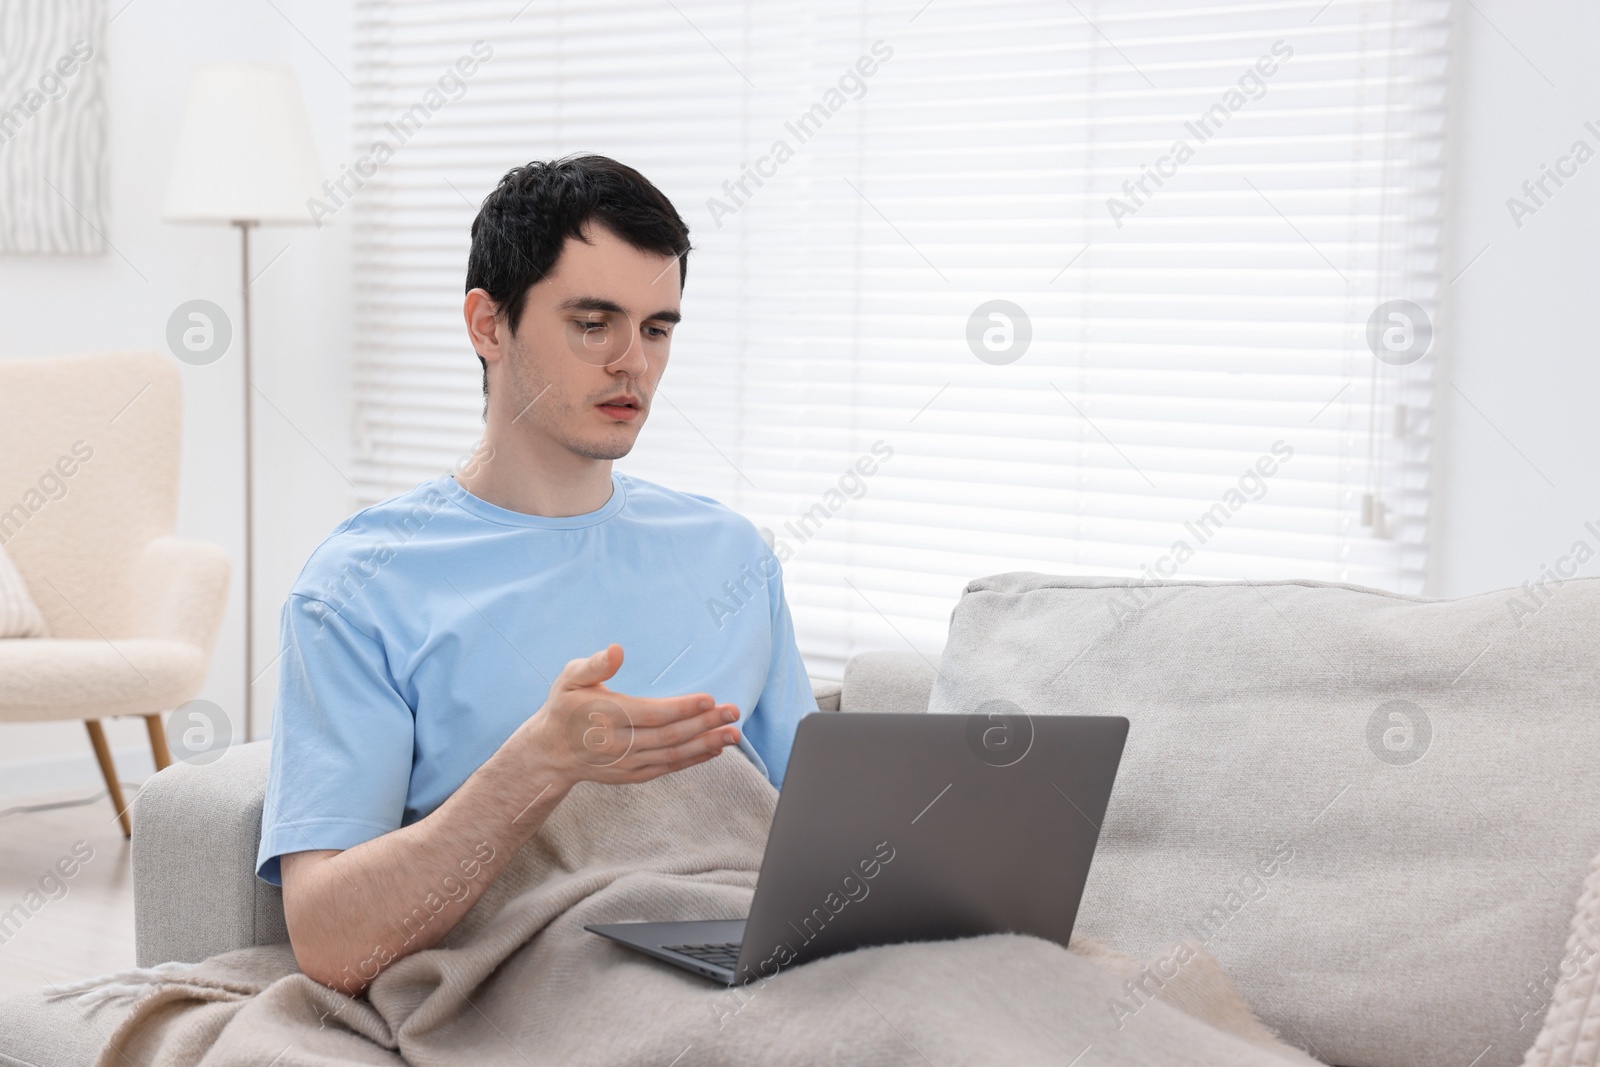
(102, 752)
(158, 742)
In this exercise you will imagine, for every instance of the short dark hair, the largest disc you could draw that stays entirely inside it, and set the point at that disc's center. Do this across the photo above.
(524, 223)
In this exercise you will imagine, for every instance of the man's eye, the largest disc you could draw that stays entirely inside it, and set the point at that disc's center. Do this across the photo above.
(588, 326)
(658, 332)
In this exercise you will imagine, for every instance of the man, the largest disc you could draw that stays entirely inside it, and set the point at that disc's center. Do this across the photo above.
(411, 755)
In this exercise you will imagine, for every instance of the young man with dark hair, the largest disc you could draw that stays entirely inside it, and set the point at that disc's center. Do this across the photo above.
(412, 756)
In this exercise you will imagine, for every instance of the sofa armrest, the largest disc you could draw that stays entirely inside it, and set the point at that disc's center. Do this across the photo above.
(827, 694)
(888, 681)
(195, 832)
(180, 589)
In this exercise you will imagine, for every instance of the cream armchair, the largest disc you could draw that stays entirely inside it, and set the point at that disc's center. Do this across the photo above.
(88, 498)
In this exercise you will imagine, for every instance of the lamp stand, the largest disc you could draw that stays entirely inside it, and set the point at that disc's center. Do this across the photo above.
(249, 490)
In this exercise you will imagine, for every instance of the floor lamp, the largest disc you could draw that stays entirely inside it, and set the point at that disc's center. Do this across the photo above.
(245, 157)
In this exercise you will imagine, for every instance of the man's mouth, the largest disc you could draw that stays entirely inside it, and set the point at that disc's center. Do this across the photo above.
(621, 408)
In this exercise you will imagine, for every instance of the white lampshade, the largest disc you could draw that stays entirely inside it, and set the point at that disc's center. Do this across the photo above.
(246, 150)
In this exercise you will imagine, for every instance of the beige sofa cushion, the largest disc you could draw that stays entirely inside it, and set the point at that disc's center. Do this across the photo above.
(1377, 810)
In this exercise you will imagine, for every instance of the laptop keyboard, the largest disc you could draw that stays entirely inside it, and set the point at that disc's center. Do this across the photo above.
(723, 954)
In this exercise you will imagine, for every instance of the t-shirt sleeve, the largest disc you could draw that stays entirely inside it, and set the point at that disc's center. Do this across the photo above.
(342, 738)
(787, 695)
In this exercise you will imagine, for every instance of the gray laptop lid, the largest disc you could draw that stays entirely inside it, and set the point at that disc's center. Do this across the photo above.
(909, 827)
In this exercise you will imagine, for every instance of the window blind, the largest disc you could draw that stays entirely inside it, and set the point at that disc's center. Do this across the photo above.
(1075, 287)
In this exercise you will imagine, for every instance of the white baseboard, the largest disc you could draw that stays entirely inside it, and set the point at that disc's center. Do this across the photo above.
(77, 772)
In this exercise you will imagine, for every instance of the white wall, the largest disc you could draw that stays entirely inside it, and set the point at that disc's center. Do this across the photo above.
(1521, 320)
(54, 305)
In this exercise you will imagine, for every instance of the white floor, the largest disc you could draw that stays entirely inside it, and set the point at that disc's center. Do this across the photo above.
(55, 929)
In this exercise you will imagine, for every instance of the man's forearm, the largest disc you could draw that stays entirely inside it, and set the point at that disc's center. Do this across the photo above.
(353, 913)
(357, 911)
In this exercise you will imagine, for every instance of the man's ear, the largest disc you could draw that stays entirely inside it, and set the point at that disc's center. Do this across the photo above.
(485, 328)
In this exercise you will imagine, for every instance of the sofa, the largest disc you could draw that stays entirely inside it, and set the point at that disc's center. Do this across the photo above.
(1376, 811)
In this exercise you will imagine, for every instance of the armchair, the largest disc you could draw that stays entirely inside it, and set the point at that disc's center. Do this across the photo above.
(88, 499)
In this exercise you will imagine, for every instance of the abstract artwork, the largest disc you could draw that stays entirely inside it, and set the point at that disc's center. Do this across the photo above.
(52, 127)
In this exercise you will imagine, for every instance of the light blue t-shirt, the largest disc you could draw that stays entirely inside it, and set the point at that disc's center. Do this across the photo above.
(427, 628)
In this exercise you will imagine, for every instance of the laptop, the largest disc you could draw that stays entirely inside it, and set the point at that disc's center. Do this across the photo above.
(897, 827)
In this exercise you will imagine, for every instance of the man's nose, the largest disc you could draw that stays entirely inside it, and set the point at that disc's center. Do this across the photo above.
(633, 361)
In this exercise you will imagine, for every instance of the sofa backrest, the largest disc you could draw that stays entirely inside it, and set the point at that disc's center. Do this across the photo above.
(1375, 810)
(887, 681)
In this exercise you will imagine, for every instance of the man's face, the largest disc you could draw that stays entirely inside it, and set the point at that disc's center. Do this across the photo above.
(591, 346)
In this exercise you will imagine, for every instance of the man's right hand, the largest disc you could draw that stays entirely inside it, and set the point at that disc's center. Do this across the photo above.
(587, 732)
(348, 912)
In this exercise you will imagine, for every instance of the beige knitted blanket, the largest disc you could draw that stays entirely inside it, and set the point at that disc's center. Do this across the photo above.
(520, 982)
(1570, 1036)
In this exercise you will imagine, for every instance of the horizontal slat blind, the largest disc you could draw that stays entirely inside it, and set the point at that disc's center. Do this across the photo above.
(828, 306)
